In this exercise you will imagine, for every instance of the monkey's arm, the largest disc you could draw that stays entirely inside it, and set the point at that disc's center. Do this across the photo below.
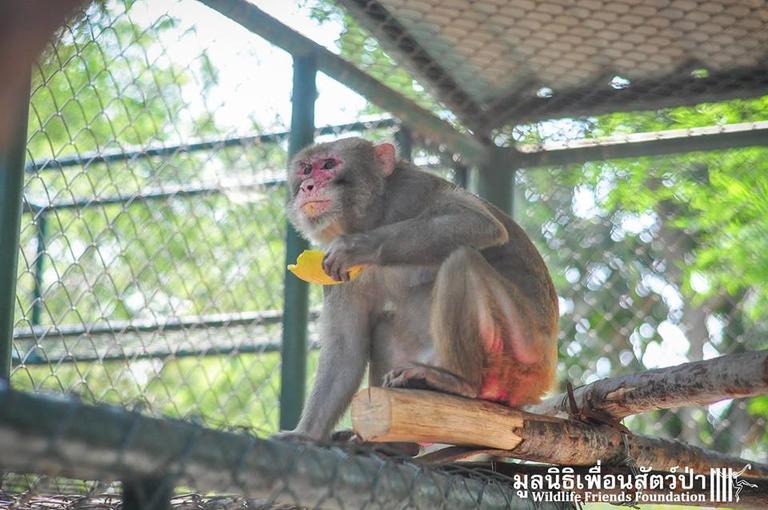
(344, 352)
(453, 220)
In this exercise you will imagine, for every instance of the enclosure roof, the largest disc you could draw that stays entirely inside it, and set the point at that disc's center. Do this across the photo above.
(499, 61)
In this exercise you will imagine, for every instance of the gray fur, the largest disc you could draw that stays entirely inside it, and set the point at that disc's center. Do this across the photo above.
(405, 226)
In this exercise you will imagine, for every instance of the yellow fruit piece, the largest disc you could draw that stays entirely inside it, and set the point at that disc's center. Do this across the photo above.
(309, 267)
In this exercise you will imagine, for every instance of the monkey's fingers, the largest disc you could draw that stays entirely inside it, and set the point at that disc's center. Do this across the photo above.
(336, 268)
(309, 267)
(331, 266)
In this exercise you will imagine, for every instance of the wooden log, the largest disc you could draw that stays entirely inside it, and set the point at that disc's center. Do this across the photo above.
(697, 383)
(390, 415)
(396, 415)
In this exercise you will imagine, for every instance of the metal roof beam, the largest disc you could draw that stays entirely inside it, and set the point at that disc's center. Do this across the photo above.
(66, 437)
(414, 116)
(394, 36)
(659, 143)
(598, 98)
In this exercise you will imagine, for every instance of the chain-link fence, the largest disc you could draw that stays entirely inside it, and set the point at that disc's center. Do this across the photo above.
(152, 241)
(152, 251)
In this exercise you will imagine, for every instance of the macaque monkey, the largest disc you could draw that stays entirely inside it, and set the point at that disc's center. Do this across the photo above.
(455, 297)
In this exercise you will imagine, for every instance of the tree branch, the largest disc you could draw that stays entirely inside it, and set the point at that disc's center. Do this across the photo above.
(386, 415)
(696, 383)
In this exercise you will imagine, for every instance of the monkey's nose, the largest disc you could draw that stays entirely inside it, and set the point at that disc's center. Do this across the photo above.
(308, 185)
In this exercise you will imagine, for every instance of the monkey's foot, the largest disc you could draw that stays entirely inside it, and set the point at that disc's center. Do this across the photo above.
(343, 436)
(425, 377)
(289, 435)
(347, 437)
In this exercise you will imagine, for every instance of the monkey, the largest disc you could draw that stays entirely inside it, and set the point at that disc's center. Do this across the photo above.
(454, 296)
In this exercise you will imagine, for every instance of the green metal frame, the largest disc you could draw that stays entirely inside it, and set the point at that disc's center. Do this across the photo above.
(404, 139)
(495, 186)
(140, 153)
(293, 371)
(417, 118)
(497, 166)
(494, 178)
(37, 291)
(12, 154)
(638, 145)
(224, 462)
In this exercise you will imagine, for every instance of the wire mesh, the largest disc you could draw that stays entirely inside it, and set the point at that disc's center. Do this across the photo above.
(652, 250)
(152, 242)
(655, 257)
(660, 263)
(127, 238)
(69, 438)
(497, 62)
(151, 258)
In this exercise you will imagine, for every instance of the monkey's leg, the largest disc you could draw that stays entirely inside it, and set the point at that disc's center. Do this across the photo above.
(480, 334)
(403, 355)
(485, 329)
(383, 347)
(401, 336)
(426, 371)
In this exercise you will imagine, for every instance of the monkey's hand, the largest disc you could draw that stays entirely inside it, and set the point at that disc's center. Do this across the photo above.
(347, 251)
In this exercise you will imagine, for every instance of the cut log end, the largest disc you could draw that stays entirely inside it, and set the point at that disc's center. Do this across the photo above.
(371, 415)
(394, 415)
(415, 416)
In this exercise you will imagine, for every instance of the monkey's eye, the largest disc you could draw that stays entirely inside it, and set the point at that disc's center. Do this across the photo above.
(329, 163)
(306, 169)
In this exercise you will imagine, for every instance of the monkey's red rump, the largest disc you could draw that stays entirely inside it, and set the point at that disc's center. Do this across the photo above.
(507, 380)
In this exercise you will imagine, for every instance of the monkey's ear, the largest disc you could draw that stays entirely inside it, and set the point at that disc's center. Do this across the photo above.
(385, 154)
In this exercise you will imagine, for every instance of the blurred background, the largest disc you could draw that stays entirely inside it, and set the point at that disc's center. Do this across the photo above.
(151, 267)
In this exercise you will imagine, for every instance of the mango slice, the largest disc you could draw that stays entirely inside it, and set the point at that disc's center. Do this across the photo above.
(309, 267)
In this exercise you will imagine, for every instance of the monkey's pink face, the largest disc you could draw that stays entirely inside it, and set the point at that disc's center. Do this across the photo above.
(315, 195)
(331, 186)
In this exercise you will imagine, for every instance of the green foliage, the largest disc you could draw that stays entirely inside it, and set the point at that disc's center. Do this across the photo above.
(240, 391)
(638, 245)
(719, 200)
(625, 240)
(360, 47)
(90, 95)
(107, 84)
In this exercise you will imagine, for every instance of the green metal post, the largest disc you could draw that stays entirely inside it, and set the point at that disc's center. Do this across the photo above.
(495, 184)
(37, 291)
(461, 175)
(404, 139)
(293, 371)
(12, 152)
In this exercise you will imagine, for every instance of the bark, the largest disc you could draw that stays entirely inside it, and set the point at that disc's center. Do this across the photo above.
(383, 415)
(696, 383)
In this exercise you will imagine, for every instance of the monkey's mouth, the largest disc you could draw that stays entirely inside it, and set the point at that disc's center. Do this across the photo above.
(314, 208)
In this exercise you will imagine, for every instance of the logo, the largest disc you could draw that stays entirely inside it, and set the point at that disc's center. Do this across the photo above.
(639, 484)
(722, 482)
